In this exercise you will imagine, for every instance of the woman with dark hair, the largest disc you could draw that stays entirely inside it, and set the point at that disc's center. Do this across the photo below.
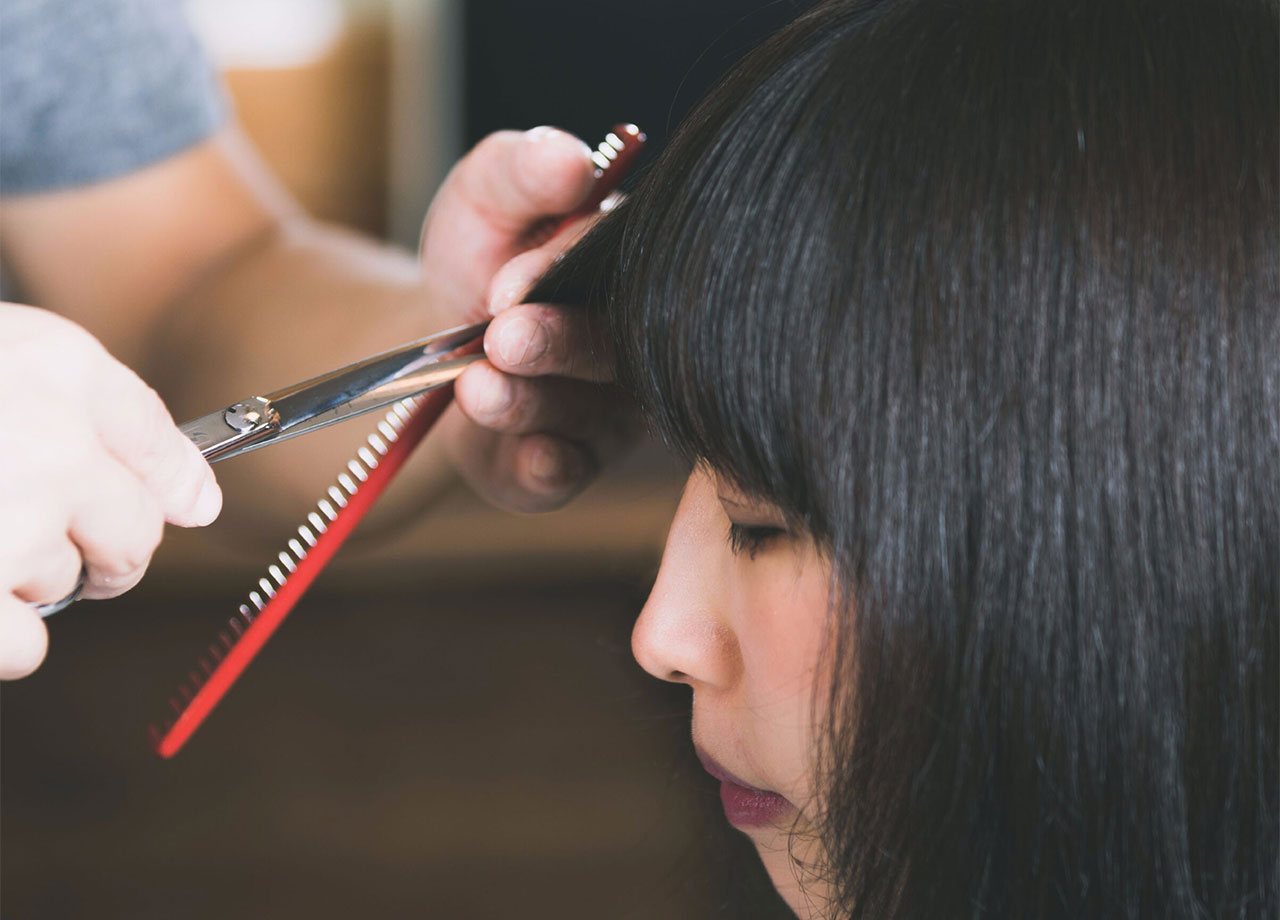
(967, 315)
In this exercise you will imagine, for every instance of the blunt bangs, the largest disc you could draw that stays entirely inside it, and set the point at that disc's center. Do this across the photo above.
(714, 277)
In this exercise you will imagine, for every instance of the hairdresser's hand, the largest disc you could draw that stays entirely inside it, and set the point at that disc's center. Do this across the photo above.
(91, 466)
(536, 421)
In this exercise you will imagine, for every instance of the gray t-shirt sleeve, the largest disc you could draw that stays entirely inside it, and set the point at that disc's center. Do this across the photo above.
(91, 89)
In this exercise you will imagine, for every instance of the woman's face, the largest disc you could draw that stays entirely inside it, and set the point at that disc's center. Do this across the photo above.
(739, 613)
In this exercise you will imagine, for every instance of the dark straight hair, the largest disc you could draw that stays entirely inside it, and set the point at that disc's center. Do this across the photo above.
(984, 296)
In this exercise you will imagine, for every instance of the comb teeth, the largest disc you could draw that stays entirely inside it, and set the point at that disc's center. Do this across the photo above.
(608, 150)
(357, 471)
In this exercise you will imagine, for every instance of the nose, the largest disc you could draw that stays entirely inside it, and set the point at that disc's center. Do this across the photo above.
(683, 634)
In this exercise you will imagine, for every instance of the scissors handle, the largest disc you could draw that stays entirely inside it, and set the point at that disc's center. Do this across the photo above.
(373, 383)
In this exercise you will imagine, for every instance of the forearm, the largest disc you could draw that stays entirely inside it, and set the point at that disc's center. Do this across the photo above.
(293, 302)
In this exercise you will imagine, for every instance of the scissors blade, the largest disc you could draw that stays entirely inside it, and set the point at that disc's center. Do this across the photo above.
(349, 391)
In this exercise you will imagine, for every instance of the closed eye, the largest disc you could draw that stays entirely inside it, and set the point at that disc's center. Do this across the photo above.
(750, 539)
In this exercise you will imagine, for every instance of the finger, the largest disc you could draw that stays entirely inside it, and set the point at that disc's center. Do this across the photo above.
(550, 470)
(487, 204)
(23, 638)
(514, 180)
(542, 339)
(513, 280)
(51, 572)
(136, 429)
(592, 414)
(528, 473)
(538, 472)
(117, 525)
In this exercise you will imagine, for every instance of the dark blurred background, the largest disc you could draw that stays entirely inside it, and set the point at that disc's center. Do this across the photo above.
(584, 65)
(451, 723)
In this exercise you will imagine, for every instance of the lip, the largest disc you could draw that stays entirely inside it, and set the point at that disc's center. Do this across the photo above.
(745, 805)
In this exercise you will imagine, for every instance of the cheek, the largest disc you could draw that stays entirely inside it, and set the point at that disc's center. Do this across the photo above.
(781, 636)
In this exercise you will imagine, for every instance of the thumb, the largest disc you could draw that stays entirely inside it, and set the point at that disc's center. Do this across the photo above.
(135, 427)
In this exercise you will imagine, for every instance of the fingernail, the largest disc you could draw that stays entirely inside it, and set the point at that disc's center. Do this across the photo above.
(208, 505)
(522, 342)
(546, 132)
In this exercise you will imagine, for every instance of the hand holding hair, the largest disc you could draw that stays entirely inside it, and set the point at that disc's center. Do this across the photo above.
(538, 419)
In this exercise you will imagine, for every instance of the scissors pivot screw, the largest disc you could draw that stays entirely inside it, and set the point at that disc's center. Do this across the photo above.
(244, 416)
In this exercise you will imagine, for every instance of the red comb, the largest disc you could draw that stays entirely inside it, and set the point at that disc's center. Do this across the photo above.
(338, 513)
(325, 531)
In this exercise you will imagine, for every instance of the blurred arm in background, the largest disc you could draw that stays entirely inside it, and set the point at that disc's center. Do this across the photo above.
(201, 273)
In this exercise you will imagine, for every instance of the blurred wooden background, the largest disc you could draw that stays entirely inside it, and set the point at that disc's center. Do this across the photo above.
(462, 750)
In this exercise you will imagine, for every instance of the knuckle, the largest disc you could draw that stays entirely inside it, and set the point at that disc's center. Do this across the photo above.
(134, 552)
(133, 559)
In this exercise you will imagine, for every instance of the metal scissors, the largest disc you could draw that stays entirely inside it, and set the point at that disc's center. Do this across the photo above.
(373, 383)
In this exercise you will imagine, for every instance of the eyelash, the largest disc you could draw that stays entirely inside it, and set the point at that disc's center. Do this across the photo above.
(750, 540)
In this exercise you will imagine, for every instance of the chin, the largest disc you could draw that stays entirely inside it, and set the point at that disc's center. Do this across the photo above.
(785, 859)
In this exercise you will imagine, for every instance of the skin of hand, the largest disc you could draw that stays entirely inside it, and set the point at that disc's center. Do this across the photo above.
(533, 424)
(97, 470)
(238, 292)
